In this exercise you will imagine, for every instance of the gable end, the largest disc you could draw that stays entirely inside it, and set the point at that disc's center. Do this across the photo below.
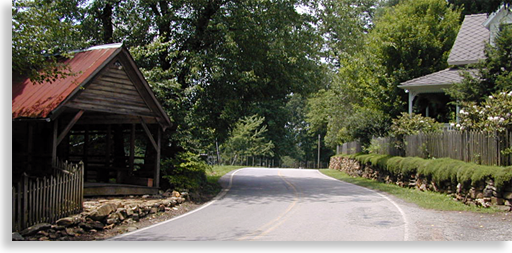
(113, 92)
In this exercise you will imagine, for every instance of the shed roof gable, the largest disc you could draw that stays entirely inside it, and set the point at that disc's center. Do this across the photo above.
(105, 79)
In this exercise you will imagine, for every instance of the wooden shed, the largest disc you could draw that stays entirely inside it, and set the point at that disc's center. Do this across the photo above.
(103, 114)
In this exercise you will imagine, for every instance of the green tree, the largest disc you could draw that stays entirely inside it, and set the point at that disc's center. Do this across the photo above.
(247, 139)
(343, 25)
(41, 32)
(227, 61)
(478, 6)
(408, 39)
(414, 38)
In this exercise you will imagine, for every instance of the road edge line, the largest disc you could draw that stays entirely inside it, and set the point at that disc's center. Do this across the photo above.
(218, 197)
(400, 210)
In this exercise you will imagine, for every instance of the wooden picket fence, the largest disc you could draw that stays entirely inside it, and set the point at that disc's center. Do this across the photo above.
(469, 146)
(47, 199)
(349, 148)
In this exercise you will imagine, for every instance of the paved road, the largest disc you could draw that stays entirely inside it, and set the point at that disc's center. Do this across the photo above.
(305, 205)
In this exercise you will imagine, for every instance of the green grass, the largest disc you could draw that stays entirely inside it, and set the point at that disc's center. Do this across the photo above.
(213, 177)
(218, 171)
(428, 200)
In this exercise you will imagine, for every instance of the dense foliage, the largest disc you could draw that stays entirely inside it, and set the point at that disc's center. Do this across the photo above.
(41, 30)
(407, 40)
(492, 115)
(439, 171)
(247, 139)
(304, 68)
(410, 124)
(185, 172)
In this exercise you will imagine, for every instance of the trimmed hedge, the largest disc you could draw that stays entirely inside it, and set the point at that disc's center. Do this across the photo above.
(439, 171)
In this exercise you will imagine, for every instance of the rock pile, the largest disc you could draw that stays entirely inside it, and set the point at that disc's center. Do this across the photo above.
(100, 214)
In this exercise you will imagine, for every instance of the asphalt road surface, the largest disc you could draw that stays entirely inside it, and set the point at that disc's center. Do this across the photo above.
(260, 204)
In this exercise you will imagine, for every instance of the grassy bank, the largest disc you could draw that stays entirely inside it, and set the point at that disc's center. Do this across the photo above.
(213, 177)
(429, 200)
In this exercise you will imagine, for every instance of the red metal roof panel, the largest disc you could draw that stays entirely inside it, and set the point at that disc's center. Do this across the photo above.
(33, 100)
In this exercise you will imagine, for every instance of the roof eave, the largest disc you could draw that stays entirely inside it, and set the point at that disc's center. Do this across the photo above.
(431, 88)
(462, 63)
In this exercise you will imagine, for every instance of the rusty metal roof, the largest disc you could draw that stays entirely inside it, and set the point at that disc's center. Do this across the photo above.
(34, 100)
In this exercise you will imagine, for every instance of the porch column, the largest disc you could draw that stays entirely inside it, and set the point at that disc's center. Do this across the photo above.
(412, 96)
(54, 142)
(457, 110)
(157, 162)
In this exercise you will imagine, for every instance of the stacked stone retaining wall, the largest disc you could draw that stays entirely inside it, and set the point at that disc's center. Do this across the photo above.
(483, 194)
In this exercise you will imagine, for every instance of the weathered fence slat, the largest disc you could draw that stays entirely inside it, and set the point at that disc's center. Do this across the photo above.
(13, 192)
(47, 199)
(468, 146)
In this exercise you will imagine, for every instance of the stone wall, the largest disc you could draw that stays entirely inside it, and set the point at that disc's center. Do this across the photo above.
(101, 214)
(484, 194)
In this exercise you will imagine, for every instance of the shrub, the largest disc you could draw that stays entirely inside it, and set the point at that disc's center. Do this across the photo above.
(410, 165)
(503, 177)
(185, 171)
(494, 114)
(440, 171)
(411, 124)
(394, 165)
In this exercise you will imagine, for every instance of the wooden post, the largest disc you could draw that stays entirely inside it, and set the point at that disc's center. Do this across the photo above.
(132, 147)
(157, 162)
(54, 142)
(157, 145)
(13, 191)
(108, 146)
(318, 163)
(30, 140)
(24, 220)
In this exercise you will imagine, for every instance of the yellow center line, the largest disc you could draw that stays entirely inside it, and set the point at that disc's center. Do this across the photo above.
(270, 226)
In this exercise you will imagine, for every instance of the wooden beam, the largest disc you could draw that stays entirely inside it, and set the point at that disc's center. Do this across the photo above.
(132, 147)
(108, 146)
(69, 126)
(157, 146)
(157, 162)
(148, 133)
(54, 142)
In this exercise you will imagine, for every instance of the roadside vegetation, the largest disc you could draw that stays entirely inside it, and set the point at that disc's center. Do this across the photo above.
(429, 200)
(212, 176)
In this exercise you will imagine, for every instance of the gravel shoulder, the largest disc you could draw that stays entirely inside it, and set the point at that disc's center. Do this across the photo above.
(433, 225)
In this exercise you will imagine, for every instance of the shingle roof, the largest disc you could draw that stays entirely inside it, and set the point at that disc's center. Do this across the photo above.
(470, 42)
(443, 77)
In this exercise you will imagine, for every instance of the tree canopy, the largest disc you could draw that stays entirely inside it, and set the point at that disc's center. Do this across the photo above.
(408, 39)
(301, 68)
